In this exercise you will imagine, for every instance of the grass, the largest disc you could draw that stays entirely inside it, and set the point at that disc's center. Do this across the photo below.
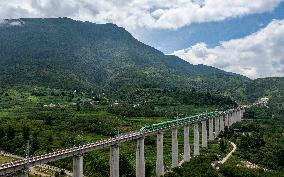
(5, 159)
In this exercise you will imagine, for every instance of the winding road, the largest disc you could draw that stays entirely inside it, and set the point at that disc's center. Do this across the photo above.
(230, 153)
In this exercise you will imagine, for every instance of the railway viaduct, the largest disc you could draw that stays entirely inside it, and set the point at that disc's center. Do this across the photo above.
(211, 126)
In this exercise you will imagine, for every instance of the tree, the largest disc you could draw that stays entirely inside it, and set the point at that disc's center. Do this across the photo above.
(48, 120)
(226, 132)
(280, 155)
(10, 133)
(2, 133)
(35, 144)
(57, 174)
(125, 168)
(148, 169)
(62, 173)
(198, 166)
(222, 145)
(78, 104)
(2, 137)
(26, 133)
(49, 143)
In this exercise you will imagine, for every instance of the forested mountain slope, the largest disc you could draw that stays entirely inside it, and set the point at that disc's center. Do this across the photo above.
(273, 88)
(68, 54)
(65, 53)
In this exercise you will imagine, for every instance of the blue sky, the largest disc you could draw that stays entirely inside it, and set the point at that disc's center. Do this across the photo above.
(241, 36)
(211, 33)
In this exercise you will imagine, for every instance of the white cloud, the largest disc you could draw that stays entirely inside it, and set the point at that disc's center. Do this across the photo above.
(11, 23)
(260, 54)
(133, 14)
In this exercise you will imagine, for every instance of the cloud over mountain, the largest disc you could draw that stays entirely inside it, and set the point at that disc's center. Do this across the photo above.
(260, 54)
(132, 14)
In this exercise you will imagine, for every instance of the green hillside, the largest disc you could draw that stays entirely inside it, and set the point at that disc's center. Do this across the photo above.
(68, 54)
(103, 58)
(65, 82)
(273, 88)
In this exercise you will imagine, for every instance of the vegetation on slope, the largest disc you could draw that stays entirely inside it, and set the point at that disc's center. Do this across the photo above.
(67, 54)
(65, 82)
(72, 55)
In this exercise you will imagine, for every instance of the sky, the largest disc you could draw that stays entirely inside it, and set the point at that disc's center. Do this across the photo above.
(240, 36)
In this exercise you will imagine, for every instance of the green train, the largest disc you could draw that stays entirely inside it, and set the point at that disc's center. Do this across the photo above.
(178, 121)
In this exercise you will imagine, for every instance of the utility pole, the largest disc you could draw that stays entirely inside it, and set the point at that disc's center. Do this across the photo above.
(118, 131)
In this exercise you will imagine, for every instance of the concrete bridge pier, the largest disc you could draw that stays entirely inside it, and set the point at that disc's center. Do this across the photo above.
(235, 117)
(242, 112)
(211, 137)
(216, 126)
(196, 140)
(186, 147)
(238, 116)
(114, 160)
(160, 155)
(140, 159)
(222, 123)
(204, 133)
(226, 120)
(78, 165)
(219, 124)
(174, 148)
(231, 119)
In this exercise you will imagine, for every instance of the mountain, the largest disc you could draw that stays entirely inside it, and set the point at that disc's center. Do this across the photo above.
(64, 53)
(68, 54)
(121, 84)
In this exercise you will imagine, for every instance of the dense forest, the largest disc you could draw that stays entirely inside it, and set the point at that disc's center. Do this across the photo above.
(66, 54)
(63, 53)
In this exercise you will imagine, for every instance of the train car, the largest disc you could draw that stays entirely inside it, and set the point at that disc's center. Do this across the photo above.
(179, 121)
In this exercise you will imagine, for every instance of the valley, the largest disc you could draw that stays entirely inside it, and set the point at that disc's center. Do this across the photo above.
(65, 83)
